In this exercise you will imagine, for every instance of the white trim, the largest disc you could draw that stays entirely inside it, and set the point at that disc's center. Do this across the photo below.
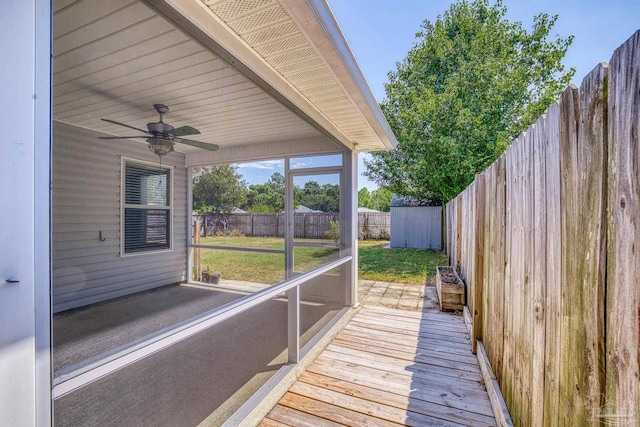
(320, 170)
(189, 249)
(123, 206)
(239, 248)
(289, 222)
(293, 324)
(326, 20)
(43, 211)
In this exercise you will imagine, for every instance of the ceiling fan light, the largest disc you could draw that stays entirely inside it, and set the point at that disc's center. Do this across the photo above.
(160, 146)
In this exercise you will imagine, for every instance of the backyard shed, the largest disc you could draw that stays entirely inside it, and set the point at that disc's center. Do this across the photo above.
(415, 224)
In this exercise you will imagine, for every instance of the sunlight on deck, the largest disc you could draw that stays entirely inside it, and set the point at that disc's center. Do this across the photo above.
(391, 367)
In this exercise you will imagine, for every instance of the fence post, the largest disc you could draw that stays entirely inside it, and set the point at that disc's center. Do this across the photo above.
(304, 225)
(479, 263)
(196, 251)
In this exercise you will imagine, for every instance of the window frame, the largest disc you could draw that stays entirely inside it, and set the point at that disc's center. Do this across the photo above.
(123, 197)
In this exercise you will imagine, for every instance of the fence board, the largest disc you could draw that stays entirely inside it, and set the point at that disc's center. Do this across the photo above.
(507, 385)
(478, 260)
(527, 319)
(494, 288)
(553, 261)
(623, 256)
(539, 272)
(459, 208)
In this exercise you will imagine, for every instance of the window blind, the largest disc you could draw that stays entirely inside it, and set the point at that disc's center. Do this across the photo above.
(147, 208)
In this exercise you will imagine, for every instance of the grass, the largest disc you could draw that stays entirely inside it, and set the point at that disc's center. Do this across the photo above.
(257, 266)
(375, 261)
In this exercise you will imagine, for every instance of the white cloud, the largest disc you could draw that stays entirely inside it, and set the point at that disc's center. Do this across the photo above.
(266, 165)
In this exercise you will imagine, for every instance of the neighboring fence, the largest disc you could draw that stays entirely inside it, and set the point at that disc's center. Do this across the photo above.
(548, 242)
(371, 225)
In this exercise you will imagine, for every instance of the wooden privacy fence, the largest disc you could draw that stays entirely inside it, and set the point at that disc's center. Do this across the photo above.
(371, 225)
(547, 240)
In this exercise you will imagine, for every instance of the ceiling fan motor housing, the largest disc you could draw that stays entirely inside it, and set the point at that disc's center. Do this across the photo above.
(159, 129)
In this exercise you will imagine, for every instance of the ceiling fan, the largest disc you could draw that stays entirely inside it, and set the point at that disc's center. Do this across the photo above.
(161, 136)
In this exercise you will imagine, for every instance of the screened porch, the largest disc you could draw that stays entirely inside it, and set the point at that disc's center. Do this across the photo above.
(138, 337)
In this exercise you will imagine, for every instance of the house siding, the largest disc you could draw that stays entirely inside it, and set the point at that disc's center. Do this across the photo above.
(86, 201)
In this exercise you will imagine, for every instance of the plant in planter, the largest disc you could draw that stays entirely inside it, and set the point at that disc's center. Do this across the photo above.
(210, 276)
(450, 289)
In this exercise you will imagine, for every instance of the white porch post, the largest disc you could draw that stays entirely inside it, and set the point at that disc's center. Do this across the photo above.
(350, 180)
(190, 224)
(293, 294)
(25, 230)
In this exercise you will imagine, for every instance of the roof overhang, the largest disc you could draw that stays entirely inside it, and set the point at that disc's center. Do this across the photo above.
(259, 78)
(296, 52)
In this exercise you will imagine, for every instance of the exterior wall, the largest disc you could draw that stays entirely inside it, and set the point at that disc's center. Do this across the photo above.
(86, 200)
(416, 227)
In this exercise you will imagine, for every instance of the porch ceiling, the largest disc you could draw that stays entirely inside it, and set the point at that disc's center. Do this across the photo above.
(115, 59)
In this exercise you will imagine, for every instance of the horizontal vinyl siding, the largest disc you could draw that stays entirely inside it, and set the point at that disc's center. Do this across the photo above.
(86, 200)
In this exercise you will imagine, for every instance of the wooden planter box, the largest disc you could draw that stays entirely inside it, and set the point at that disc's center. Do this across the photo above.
(450, 289)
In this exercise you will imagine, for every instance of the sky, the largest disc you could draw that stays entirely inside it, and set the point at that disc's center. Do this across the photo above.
(381, 32)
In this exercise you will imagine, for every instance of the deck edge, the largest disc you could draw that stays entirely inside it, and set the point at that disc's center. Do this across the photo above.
(499, 406)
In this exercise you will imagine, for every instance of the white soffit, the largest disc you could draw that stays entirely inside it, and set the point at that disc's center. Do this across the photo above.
(304, 44)
(114, 59)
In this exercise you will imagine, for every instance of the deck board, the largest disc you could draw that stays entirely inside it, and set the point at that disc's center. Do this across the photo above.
(391, 367)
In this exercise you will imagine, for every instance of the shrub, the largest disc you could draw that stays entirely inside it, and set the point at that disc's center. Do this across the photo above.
(384, 235)
(334, 232)
(236, 233)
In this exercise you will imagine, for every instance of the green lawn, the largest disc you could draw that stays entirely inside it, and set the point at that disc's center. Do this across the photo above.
(375, 261)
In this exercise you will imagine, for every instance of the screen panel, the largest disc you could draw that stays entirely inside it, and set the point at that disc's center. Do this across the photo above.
(207, 376)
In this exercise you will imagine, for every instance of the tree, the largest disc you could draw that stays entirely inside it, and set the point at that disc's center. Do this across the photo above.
(219, 189)
(325, 198)
(267, 197)
(364, 198)
(381, 199)
(472, 82)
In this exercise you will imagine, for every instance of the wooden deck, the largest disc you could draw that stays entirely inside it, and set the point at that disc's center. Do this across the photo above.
(390, 367)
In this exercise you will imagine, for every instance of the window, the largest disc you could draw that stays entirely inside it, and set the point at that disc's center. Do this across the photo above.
(146, 207)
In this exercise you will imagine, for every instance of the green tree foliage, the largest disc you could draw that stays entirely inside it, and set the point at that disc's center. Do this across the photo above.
(364, 198)
(381, 199)
(325, 198)
(378, 199)
(267, 197)
(219, 189)
(472, 82)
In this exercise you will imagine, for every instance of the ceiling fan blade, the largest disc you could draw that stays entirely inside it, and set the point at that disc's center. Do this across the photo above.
(203, 145)
(127, 126)
(123, 137)
(184, 131)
